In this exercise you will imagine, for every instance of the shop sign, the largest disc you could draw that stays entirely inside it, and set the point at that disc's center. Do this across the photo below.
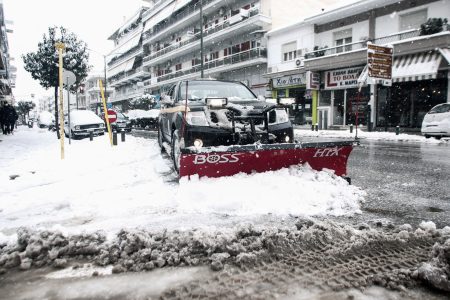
(285, 81)
(342, 78)
(312, 80)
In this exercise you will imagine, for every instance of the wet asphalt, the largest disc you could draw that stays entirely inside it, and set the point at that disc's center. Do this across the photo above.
(406, 182)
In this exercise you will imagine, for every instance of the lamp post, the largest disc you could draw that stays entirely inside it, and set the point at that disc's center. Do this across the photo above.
(201, 39)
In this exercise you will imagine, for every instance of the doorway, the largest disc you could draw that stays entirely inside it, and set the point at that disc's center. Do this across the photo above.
(324, 116)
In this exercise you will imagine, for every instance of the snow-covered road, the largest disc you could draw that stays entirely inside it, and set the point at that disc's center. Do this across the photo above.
(99, 187)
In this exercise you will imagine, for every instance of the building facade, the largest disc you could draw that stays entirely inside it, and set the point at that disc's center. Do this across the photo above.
(89, 96)
(331, 49)
(7, 70)
(164, 45)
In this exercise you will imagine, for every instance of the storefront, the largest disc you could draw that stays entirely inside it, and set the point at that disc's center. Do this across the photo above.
(340, 100)
(294, 86)
(420, 81)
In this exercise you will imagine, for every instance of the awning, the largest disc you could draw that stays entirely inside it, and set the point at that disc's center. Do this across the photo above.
(445, 52)
(180, 4)
(161, 15)
(419, 66)
(123, 67)
(128, 45)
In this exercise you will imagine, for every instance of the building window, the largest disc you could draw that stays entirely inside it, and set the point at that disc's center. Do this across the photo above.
(343, 37)
(214, 55)
(413, 20)
(289, 51)
(177, 67)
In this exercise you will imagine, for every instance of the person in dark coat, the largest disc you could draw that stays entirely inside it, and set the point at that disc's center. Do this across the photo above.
(3, 118)
(8, 116)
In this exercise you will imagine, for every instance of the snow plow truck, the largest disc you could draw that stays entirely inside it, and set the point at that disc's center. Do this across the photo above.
(220, 128)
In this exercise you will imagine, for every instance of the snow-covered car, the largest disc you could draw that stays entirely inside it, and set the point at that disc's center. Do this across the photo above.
(144, 118)
(45, 119)
(122, 123)
(82, 123)
(436, 122)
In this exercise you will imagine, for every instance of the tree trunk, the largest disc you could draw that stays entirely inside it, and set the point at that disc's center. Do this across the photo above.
(56, 113)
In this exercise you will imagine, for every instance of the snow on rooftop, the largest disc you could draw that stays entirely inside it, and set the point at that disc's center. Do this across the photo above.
(99, 187)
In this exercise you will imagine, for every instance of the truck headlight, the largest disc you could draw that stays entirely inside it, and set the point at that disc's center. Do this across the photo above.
(77, 127)
(197, 118)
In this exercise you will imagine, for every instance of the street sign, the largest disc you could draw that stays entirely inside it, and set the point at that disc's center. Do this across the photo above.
(109, 105)
(112, 116)
(379, 62)
(69, 77)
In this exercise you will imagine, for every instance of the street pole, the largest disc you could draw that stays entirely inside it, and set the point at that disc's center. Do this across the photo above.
(201, 39)
(68, 108)
(106, 82)
(61, 47)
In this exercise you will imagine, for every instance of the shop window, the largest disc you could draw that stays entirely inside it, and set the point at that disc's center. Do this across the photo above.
(341, 38)
(357, 103)
(338, 107)
(413, 20)
(289, 51)
(325, 98)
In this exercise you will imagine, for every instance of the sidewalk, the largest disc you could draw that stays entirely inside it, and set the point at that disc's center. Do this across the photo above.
(374, 135)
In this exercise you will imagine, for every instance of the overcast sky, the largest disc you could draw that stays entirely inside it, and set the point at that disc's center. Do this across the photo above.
(92, 20)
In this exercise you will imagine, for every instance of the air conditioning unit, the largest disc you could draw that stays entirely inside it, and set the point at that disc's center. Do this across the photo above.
(299, 52)
(272, 69)
(299, 63)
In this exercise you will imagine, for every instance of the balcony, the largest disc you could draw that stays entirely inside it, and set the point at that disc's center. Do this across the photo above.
(128, 77)
(356, 53)
(128, 94)
(233, 62)
(222, 31)
(181, 20)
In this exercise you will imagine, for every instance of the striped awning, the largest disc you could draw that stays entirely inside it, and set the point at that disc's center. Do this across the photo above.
(419, 66)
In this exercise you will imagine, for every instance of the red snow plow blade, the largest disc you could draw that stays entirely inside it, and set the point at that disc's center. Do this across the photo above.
(231, 160)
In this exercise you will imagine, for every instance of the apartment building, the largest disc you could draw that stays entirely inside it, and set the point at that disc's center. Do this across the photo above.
(89, 96)
(319, 60)
(7, 70)
(125, 73)
(167, 48)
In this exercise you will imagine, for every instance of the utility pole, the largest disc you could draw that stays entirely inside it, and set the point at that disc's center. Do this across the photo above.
(201, 39)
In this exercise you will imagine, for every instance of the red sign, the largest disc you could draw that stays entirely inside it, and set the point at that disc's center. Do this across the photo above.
(112, 116)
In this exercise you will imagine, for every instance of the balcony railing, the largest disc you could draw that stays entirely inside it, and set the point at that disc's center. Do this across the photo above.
(222, 26)
(188, 11)
(124, 75)
(362, 44)
(228, 60)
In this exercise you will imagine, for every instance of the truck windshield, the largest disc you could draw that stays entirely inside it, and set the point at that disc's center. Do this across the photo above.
(200, 90)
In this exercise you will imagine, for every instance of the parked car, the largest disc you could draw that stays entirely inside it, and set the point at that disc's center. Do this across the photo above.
(219, 113)
(436, 122)
(122, 123)
(46, 119)
(82, 123)
(144, 118)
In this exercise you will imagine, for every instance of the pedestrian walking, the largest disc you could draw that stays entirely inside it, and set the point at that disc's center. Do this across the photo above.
(3, 118)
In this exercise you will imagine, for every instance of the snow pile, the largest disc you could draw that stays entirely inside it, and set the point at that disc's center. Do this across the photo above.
(98, 186)
(383, 136)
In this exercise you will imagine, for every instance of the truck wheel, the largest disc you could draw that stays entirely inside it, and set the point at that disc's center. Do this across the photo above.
(176, 150)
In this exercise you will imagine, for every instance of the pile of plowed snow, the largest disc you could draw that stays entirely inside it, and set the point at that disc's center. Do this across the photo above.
(99, 187)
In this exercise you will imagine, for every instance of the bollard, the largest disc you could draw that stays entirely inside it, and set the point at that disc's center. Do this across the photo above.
(317, 127)
(91, 136)
(351, 128)
(312, 127)
(115, 138)
(122, 136)
(397, 130)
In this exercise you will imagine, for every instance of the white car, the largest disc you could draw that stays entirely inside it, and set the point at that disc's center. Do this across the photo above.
(82, 123)
(45, 119)
(436, 122)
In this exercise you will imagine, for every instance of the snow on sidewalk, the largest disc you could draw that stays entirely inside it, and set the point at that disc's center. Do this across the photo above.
(99, 187)
(374, 135)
